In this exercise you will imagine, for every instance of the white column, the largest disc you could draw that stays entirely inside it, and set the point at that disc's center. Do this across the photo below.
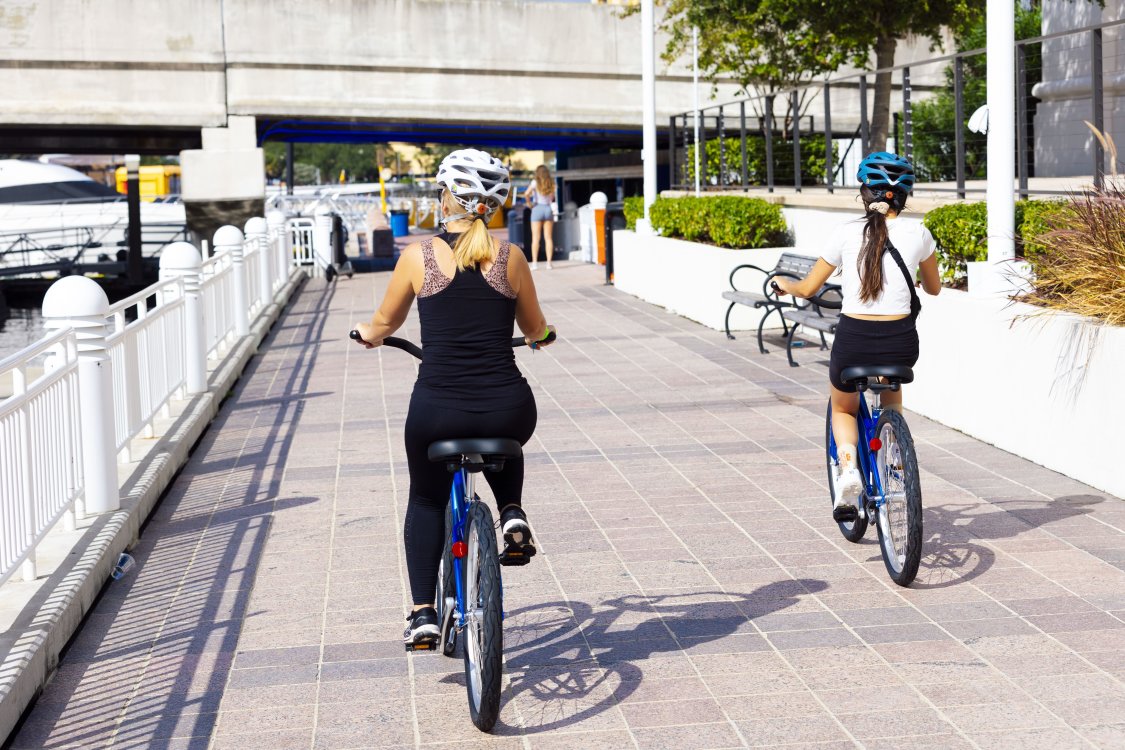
(229, 239)
(79, 303)
(279, 245)
(257, 232)
(695, 96)
(182, 260)
(648, 104)
(1001, 93)
(322, 238)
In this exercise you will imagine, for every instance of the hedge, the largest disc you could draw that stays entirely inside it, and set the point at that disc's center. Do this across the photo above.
(727, 221)
(961, 231)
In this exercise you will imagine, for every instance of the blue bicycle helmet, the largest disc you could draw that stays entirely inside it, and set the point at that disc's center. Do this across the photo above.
(886, 170)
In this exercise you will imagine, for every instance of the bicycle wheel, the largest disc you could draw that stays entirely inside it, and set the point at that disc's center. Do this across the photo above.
(853, 531)
(483, 642)
(900, 515)
(445, 598)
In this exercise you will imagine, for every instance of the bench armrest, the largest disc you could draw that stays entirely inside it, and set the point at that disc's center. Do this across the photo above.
(739, 268)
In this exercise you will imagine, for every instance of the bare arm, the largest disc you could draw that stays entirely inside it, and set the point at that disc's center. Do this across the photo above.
(809, 285)
(529, 316)
(396, 303)
(931, 277)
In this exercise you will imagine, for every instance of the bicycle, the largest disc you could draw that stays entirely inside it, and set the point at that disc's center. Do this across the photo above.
(892, 493)
(469, 598)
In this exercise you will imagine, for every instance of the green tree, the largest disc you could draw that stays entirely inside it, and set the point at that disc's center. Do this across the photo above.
(768, 45)
(360, 162)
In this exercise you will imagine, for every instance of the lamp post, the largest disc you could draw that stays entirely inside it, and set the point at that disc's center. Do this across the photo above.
(695, 94)
(648, 104)
(1001, 93)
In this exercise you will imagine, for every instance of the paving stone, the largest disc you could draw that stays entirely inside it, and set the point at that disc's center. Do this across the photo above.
(691, 590)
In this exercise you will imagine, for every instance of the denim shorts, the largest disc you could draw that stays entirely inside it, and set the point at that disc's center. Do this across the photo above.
(542, 212)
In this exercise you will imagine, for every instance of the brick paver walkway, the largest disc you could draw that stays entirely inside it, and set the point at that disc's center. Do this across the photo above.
(692, 591)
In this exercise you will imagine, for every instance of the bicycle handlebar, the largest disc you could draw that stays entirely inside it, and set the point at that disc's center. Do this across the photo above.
(413, 349)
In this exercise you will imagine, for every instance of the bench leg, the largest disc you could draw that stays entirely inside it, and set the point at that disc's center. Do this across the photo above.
(823, 341)
(762, 325)
(789, 345)
(726, 321)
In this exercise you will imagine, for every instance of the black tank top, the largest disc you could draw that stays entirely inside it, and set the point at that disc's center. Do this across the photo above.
(467, 324)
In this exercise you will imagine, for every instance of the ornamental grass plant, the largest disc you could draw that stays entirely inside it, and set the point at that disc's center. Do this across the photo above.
(1081, 266)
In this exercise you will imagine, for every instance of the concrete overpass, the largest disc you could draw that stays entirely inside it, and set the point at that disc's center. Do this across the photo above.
(146, 75)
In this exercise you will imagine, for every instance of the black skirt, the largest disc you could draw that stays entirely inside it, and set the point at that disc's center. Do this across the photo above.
(871, 342)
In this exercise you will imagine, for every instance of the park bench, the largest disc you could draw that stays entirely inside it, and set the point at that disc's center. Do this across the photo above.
(820, 313)
(789, 265)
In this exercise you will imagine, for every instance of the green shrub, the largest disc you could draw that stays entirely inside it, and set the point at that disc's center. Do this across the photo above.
(726, 221)
(812, 161)
(634, 209)
(961, 231)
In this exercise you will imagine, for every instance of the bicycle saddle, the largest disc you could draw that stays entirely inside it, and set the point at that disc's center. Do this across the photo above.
(895, 375)
(474, 454)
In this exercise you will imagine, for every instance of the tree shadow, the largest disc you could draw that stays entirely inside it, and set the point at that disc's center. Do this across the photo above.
(567, 661)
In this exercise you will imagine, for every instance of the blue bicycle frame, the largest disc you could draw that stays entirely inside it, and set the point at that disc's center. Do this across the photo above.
(459, 505)
(866, 421)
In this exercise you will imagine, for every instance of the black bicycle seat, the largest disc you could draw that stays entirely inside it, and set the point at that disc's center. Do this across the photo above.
(862, 375)
(474, 454)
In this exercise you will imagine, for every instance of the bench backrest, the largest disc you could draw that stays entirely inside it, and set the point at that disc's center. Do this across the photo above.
(799, 265)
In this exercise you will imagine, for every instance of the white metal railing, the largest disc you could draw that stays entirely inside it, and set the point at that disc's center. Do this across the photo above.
(301, 233)
(81, 395)
(40, 449)
(148, 358)
(217, 290)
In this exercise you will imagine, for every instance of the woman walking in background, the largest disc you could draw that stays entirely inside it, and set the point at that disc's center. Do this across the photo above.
(540, 193)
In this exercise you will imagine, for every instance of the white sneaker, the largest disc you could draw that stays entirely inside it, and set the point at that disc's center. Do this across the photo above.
(848, 486)
(534, 266)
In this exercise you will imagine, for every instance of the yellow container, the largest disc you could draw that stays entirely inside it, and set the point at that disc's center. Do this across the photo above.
(156, 181)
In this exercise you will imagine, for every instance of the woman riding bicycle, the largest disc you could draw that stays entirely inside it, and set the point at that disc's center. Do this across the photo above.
(878, 314)
(470, 289)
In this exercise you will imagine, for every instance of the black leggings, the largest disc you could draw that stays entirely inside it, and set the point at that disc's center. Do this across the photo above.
(430, 483)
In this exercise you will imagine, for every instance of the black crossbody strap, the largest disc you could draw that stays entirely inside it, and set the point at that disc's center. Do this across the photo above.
(915, 303)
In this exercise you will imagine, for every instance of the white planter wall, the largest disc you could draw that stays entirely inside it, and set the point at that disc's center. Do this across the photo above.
(1047, 388)
(689, 278)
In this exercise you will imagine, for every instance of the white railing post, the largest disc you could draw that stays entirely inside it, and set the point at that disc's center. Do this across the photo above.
(257, 231)
(79, 303)
(279, 238)
(229, 239)
(181, 260)
(322, 238)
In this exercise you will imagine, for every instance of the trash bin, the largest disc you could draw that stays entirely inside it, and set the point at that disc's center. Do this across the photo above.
(400, 222)
(519, 228)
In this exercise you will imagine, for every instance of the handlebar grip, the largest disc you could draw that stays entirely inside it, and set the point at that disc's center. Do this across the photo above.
(521, 341)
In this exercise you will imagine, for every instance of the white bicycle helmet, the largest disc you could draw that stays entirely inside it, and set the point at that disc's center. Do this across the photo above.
(478, 182)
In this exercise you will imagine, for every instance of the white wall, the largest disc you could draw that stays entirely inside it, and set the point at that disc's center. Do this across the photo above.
(1047, 388)
(688, 278)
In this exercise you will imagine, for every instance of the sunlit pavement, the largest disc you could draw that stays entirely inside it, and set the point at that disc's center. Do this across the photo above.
(691, 591)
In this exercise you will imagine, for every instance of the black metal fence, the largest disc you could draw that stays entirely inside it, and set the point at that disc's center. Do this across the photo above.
(813, 137)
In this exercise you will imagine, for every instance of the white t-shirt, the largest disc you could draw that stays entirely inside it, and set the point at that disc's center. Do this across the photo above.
(913, 242)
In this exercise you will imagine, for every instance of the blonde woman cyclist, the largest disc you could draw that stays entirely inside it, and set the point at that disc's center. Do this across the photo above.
(471, 290)
(879, 308)
(540, 194)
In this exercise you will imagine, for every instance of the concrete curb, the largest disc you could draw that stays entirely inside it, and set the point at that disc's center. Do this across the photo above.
(52, 617)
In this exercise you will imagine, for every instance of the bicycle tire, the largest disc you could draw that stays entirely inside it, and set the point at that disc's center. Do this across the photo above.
(899, 518)
(446, 586)
(483, 635)
(853, 531)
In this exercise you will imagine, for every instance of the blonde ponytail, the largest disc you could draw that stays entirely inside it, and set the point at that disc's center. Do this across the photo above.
(473, 247)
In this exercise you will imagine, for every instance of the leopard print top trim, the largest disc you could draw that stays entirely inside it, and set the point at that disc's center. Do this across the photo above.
(434, 281)
(497, 276)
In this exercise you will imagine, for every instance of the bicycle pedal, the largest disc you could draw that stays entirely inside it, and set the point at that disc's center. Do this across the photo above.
(422, 646)
(845, 513)
(517, 555)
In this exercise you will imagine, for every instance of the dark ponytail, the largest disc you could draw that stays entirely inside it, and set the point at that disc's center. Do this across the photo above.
(875, 240)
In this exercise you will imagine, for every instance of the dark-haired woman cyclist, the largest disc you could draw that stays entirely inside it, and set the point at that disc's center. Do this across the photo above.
(877, 323)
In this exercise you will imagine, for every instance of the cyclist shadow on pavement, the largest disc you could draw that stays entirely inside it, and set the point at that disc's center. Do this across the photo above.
(956, 548)
(567, 662)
